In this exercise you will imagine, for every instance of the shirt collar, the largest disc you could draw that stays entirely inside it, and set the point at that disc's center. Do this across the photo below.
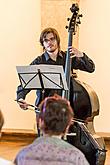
(47, 57)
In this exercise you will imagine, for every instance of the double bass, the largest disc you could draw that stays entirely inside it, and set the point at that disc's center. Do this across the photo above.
(85, 104)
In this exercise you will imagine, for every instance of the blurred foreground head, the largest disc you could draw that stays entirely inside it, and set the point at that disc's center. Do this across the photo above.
(56, 115)
(1, 120)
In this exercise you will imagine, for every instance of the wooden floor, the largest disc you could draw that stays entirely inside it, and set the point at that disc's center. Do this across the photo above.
(10, 145)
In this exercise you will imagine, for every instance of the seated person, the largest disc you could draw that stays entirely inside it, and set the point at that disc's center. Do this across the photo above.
(55, 118)
(3, 161)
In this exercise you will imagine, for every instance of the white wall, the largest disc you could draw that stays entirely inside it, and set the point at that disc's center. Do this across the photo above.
(19, 32)
(20, 26)
(95, 40)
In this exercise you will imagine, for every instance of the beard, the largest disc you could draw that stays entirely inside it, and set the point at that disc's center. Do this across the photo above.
(51, 49)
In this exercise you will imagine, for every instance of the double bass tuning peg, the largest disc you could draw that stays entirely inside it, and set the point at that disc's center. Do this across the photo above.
(78, 18)
(80, 15)
(78, 22)
(68, 19)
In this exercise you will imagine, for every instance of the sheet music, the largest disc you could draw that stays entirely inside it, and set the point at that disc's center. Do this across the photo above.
(52, 76)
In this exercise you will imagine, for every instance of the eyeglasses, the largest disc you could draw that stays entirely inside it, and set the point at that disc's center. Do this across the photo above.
(52, 39)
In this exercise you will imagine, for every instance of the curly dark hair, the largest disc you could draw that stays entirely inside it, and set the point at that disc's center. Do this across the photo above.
(47, 31)
(56, 114)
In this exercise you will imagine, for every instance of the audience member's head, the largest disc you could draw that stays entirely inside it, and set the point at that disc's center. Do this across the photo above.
(56, 115)
(1, 120)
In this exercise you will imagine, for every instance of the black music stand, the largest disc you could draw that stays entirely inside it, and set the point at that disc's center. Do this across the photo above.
(42, 77)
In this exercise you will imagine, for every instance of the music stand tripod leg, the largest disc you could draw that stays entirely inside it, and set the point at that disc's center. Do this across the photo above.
(42, 97)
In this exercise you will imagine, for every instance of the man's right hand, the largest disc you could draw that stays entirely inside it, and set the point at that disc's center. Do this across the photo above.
(22, 103)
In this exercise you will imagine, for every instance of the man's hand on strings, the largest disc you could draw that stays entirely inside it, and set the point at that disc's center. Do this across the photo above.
(75, 52)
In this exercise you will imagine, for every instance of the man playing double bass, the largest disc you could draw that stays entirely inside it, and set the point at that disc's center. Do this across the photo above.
(53, 55)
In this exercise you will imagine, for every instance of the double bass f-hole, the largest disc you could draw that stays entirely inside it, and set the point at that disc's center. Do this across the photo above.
(72, 27)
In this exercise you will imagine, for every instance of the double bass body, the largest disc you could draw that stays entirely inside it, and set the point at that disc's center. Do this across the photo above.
(85, 103)
(84, 100)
